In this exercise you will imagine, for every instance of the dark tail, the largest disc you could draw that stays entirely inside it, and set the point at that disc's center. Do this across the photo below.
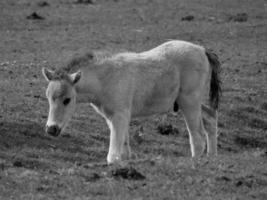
(215, 82)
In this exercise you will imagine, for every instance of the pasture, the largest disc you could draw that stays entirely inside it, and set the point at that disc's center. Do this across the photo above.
(36, 34)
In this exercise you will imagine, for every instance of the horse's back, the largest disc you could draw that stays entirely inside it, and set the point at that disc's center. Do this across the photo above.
(173, 49)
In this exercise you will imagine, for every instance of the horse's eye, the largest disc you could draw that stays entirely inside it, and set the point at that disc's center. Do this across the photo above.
(66, 101)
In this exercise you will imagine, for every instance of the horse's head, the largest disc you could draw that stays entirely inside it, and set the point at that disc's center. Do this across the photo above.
(61, 95)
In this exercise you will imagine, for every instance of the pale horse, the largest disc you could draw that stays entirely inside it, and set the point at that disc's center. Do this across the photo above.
(127, 85)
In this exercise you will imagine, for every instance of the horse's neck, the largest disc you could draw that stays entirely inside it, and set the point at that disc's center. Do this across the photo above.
(88, 88)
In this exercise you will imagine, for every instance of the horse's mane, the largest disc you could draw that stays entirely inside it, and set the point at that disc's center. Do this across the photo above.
(60, 74)
(88, 59)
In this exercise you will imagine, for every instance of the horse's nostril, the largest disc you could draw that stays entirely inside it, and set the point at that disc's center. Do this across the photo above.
(53, 130)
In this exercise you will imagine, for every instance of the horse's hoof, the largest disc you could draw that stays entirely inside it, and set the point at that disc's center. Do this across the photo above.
(114, 160)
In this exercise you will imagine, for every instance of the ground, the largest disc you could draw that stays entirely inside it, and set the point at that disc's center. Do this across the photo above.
(36, 34)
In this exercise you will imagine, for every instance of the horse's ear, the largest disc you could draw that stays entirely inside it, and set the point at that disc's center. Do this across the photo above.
(48, 74)
(75, 77)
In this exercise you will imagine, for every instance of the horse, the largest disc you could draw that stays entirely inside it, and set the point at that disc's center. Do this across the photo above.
(125, 85)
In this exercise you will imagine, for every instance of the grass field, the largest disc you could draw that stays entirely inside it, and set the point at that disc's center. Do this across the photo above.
(36, 166)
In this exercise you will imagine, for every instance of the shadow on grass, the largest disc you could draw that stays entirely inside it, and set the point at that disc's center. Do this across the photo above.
(31, 135)
(16, 134)
(250, 142)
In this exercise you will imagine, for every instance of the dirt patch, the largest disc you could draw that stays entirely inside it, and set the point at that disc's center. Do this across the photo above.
(92, 177)
(250, 181)
(243, 181)
(43, 4)
(188, 18)
(127, 173)
(223, 178)
(85, 1)
(35, 16)
(167, 129)
(239, 17)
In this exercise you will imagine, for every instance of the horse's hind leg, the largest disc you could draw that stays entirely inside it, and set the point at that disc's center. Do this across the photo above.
(191, 107)
(209, 124)
(126, 150)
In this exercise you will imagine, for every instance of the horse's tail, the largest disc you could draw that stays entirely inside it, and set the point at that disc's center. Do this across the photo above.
(215, 82)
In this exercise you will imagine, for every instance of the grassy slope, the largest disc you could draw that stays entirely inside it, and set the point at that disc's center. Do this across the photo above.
(35, 166)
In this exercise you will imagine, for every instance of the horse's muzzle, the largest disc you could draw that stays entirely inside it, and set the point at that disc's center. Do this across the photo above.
(53, 130)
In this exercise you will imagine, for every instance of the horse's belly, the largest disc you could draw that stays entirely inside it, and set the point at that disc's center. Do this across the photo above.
(156, 92)
(155, 108)
(155, 105)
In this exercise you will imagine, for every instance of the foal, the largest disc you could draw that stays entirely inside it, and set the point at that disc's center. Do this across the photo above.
(128, 85)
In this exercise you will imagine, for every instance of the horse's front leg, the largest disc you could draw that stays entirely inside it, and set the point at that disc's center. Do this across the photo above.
(119, 139)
